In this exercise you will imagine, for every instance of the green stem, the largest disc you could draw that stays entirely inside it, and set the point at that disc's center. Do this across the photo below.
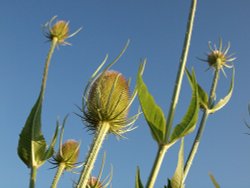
(157, 165)
(181, 69)
(47, 63)
(163, 149)
(59, 172)
(43, 86)
(195, 145)
(93, 153)
(200, 131)
(212, 94)
(33, 177)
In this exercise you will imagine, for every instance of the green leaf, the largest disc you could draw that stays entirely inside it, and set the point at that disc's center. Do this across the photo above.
(203, 96)
(50, 151)
(216, 185)
(152, 112)
(225, 100)
(32, 147)
(138, 183)
(176, 181)
(189, 120)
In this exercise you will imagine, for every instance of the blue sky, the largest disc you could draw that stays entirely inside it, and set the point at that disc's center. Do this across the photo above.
(156, 30)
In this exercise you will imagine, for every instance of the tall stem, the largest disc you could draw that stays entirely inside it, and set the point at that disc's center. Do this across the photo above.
(157, 165)
(163, 149)
(59, 172)
(199, 134)
(93, 153)
(181, 69)
(43, 86)
(47, 63)
(33, 177)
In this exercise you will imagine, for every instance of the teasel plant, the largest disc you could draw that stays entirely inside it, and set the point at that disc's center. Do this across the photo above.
(105, 106)
(217, 59)
(32, 147)
(160, 126)
(67, 156)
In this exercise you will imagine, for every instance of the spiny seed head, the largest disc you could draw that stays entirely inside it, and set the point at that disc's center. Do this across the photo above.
(108, 100)
(68, 154)
(218, 58)
(93, 182)
(59, 31)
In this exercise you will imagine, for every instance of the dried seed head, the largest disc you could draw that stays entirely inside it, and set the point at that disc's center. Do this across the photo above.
(94, 183)
(108, 100)
(218, 58)
(68, 154)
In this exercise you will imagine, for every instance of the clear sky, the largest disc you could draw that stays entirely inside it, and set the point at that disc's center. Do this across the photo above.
(156, 29)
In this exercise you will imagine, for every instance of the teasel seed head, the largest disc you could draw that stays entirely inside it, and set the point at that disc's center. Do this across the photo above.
(93, 182)
(96, 182)
(67, 154)
(60, 31)
(218, 58)
(108, 100)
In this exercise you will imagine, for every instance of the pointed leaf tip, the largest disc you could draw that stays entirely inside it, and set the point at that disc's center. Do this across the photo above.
(138, 183)
(32, 148)
(31, 144)
(152, 112)
(215, 183)
(203, 96)
(50, 151)
(188, 123)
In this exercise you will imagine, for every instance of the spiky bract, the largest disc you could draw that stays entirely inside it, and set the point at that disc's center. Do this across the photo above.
(60, 31)
(218, 58)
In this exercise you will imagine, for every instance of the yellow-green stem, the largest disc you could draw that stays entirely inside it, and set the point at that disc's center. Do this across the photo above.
(47, 63)
(43, 86)
(157, 165)
(59, 172)
(181, 69)
(200, 131)
(33, 177)
(93, 153)
(163, 149)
